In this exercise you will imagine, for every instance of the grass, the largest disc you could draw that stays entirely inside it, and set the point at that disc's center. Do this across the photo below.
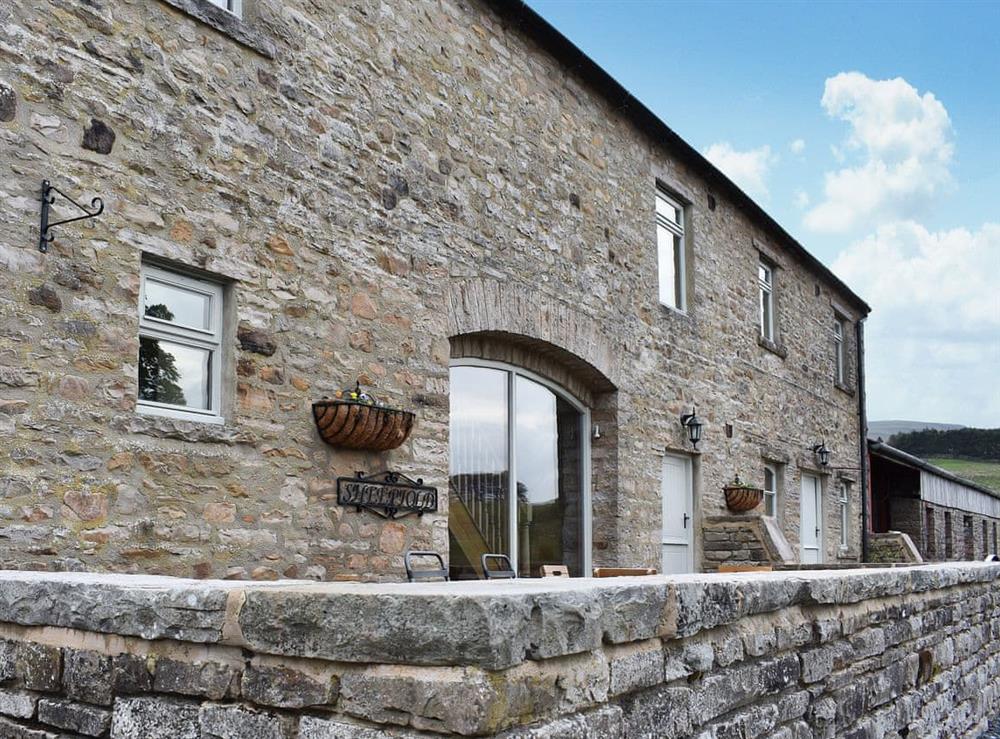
(985, 473)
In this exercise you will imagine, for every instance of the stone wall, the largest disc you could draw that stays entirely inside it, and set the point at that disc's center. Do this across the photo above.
(972, 535)
(744, 539)
(370, 180)
(880, 653)
(893, 546)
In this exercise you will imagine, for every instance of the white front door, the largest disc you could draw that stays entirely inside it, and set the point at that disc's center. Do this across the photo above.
(812, 520)
(678, 515)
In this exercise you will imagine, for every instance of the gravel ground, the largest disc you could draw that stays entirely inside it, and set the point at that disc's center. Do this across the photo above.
(994, 731)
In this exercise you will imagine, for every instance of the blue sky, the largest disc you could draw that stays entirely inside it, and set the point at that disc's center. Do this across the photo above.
(893, 179)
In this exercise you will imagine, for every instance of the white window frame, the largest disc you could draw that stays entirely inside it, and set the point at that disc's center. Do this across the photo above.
(233, 6)
(839, 349)
(772, 493)
(209, 339)
(844, 499)
(765, 291)
(678, 241)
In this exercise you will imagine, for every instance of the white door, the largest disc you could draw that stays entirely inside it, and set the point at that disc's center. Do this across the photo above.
(812, 520)
(678, 515)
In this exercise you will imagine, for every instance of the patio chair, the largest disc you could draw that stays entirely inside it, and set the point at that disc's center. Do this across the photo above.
(504, 572)
(424, 574)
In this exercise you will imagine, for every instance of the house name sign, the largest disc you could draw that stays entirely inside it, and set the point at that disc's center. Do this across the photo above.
(387, 494)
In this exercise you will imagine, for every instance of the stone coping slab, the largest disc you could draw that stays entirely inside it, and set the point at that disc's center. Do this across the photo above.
(490, 624)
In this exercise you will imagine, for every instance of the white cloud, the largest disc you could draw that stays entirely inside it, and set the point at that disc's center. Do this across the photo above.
(801, 199)
(748, 169)
(797, 147)
(902, 143)
(933, 338)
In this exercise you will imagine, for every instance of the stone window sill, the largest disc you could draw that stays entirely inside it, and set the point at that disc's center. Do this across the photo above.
(772, 346)
(226, 23)
(844, 388)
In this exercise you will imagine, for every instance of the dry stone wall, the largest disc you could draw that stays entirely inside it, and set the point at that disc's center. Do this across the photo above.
(906, 652)
(359, 175)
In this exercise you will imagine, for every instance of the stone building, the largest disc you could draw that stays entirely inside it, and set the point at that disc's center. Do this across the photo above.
(445, 202)
(945, 516)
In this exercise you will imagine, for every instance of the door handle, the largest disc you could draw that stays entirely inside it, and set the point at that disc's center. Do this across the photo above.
(817, 532)
(686, 517)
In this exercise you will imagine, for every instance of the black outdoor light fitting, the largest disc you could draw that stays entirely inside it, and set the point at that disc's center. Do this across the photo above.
(693, 424)
(822, 453)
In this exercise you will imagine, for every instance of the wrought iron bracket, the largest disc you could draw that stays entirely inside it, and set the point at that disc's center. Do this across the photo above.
(45, 237)
(387, 494)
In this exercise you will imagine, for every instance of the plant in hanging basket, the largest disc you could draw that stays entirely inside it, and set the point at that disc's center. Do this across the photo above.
(741, 497)
(353, 419)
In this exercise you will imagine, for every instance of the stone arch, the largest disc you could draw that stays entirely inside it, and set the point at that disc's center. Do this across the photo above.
(528, 318)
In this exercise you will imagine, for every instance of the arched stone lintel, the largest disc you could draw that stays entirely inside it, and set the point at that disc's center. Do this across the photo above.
(513, 310)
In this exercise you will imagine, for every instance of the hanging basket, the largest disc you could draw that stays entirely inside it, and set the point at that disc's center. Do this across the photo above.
(361, 424)
(741, 498)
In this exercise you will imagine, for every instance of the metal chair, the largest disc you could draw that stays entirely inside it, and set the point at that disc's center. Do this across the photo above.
(505, 572)
(413, 575)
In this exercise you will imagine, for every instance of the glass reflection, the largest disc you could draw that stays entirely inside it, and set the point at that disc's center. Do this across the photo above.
(173, 373)
(547, 433)
(479, 516)
(177, 305)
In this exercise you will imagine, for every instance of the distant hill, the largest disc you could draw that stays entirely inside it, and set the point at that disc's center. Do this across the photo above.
(885, 429)
(965, 443)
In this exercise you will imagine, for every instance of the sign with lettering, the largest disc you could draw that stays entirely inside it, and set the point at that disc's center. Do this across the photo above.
(387, 494)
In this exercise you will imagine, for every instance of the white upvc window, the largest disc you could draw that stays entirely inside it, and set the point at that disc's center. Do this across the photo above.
(770, 490)
(839, 351)
(845, 525)
(233, 6)
(765, 285)
(671, 277)
(180, 341)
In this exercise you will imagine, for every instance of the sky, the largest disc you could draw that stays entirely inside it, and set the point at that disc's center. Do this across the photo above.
(871, 132)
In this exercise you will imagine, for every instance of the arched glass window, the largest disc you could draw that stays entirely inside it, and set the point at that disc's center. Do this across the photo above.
(519, 471)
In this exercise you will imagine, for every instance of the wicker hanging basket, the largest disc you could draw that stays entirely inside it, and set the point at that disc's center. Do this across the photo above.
(359, 421)
(741, 498)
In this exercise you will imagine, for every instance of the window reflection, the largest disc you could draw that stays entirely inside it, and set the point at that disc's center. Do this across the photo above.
(173, 373)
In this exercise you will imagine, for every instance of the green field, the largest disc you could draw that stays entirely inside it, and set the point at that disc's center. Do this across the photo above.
(985, 473)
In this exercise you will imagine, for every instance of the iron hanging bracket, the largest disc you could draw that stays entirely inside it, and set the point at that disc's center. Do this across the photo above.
(48, 199)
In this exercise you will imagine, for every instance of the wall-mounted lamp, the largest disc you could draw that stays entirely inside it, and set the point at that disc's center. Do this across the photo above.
(693, 425)
(822, 453)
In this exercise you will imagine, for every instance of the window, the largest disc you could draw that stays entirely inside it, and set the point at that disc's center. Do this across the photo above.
(839, 352)
(949, 545)
(670, 251)
(765, 284)
(929, 526)
(233, 6)
(180, 337)
(770, 490)
(996, 549)
(845, 518)
(986, 538)
(519, 471)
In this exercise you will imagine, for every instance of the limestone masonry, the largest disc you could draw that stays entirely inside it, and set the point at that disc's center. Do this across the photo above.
(374, 192)
(907, 652)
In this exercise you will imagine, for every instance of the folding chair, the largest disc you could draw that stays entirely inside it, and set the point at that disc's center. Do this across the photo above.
(413, 575)
(504, 572)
